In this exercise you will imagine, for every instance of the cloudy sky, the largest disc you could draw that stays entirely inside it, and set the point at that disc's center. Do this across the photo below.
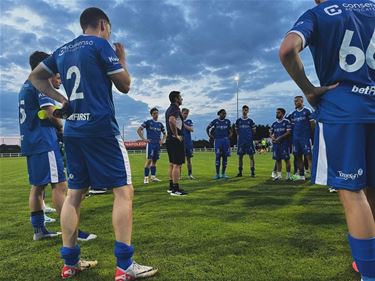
(196, 47)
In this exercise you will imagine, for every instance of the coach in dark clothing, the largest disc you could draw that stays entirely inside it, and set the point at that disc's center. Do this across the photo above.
(175, 143)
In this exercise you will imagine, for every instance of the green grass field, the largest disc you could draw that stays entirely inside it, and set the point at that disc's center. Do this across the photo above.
(238, 229)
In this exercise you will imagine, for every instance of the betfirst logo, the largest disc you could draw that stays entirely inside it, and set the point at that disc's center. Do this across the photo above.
(348, 176)
(368, 90)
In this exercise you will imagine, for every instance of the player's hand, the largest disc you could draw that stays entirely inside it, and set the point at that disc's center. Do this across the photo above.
(63, 112)
(161, 142)
(314, 97)
(179, 138)
(120, 52)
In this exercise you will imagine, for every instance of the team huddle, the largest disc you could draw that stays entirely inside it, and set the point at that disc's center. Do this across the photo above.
(341, 36)
(291, 134)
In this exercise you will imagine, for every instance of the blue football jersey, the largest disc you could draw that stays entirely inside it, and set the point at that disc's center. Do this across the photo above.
(280, 127)
(220, 128)
(153, 130)
(244, 128)
(187, 133)
(84, 65)
(300, 120)
(341, 37)
(37, 135)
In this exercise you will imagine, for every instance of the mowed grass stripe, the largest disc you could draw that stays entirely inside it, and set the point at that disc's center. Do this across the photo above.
(237, 229)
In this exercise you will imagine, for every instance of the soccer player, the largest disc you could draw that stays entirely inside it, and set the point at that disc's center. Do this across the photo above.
(279, 133)
(220, 130)
(175, 143)
(39, 145)
(154, 129)
(188, 129)
(341, 36)
(245, 129)
(302, 123)
(96, 155)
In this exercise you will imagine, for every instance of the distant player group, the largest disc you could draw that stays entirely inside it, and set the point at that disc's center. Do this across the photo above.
(342, 40)
(291, 134)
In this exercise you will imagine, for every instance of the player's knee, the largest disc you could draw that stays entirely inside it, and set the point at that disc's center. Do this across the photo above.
(125, 192)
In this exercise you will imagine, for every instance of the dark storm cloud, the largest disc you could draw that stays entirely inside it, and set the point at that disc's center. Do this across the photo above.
(168, 42)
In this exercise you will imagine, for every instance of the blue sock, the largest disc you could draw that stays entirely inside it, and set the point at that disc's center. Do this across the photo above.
(37, 221)
(225, 161)
(363, 252)
(217, 162)
(153, 170)
(70, 255)
(147, 172)
(123, 254)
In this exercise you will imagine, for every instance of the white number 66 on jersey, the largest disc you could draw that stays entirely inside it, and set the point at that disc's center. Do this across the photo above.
(360, 56)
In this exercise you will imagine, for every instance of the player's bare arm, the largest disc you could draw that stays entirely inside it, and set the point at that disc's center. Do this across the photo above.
(208, 132)
(291, 60)
(39, 77)
(173, 124)
(189, 128)
(121, 79)
(163, 139)
(283, 136)
(57, 123)
(141, 135)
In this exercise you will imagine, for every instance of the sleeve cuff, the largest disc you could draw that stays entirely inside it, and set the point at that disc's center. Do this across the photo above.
(115, 71)
(300, 35)
(46, 104)
(46, 68)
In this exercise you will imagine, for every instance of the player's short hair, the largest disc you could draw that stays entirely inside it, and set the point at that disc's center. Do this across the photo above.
(153, 109)
(298, 97)
(245, 106)
(36, 58)
(282, 110)
(91, 17)
(221, 110)
(173, 95)
(185, 109)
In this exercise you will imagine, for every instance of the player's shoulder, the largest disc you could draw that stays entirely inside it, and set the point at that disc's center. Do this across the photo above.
(286, 121)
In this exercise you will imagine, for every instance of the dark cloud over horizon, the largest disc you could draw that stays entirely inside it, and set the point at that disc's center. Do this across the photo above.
(195, 46)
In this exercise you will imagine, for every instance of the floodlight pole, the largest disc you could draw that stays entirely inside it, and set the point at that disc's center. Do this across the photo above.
(237, 79)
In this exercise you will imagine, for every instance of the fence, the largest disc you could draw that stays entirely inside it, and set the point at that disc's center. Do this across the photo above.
(137, 151)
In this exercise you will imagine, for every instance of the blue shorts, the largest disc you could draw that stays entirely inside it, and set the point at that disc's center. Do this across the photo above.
(222, 147)
(189, 150)
(245, 148)
(302, 146)
(280, 151)
(153, 151)
(344, 156)
(46, 167)
(100, 162)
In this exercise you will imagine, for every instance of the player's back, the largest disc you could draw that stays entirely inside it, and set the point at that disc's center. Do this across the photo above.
(84, 65)
(37, 135)
(341, 36)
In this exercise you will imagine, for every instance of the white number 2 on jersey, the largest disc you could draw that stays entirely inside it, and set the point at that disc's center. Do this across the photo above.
(75, 95)
(360, 56)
